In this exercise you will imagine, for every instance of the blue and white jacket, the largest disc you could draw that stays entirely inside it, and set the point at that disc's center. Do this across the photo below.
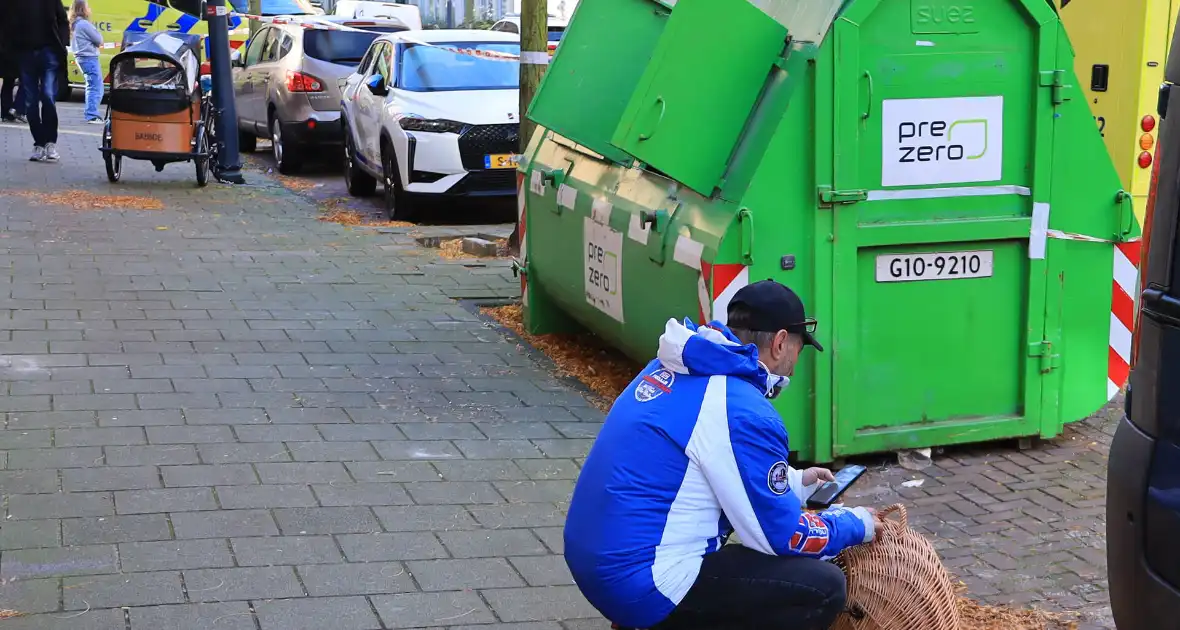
(691, 452)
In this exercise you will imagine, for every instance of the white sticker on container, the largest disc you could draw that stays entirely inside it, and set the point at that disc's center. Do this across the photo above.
(688, 252)
(603, 273)
(637, 230)
(567, 196)
(537, 183)
(600, 211)
(929, 141)
(1039, 233)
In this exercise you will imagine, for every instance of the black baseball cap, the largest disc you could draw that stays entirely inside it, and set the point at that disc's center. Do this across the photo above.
(774, 307)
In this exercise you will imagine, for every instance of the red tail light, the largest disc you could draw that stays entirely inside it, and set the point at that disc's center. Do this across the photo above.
(300, 82)
(552, 47)
(1145, 160)
(1148, 123)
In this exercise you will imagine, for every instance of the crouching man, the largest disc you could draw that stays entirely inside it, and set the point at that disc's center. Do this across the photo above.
(693, 451)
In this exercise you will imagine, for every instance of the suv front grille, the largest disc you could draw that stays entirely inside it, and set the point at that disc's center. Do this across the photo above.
(481, 140)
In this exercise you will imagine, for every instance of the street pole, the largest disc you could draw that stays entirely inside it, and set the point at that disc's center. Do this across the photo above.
(229, 162)
(255, 8)
(534, 58)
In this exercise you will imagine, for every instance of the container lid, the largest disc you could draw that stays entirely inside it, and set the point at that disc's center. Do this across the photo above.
(806, 20)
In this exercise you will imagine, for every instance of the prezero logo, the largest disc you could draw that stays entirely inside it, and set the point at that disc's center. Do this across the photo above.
(942, 140)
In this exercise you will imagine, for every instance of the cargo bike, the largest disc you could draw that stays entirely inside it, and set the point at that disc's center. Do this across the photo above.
(157, 109)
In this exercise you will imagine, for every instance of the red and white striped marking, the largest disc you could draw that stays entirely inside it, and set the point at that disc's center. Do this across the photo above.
(521, 191)
(1122, 315)
(725, 280)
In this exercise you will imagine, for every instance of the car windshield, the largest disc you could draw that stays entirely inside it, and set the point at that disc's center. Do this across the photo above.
(277, 7)
(434, 69)
(342, 47)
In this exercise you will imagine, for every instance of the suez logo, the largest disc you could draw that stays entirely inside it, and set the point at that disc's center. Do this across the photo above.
(942, 140)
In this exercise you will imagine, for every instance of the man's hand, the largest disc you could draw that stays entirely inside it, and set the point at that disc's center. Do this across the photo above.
(811, 475)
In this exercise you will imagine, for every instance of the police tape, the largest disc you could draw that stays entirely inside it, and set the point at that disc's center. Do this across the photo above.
(312, 23)
(1072, 236)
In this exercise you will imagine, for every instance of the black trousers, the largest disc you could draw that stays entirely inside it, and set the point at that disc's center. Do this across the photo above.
(741, 589)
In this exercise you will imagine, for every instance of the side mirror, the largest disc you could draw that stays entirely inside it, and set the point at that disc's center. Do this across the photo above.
(376, 85)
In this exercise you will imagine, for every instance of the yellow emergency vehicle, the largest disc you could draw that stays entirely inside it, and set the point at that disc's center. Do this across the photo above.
(1120, 47)
(115, 17)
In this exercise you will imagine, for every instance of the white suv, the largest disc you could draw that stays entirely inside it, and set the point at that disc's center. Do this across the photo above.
(433, 113)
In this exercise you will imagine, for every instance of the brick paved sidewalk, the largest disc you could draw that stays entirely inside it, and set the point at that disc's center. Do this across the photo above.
(227, 415)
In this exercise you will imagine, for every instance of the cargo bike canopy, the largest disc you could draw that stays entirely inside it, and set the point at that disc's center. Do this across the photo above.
(156, 73)
(925, 173)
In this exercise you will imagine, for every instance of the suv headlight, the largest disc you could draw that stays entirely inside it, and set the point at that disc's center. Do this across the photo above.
(431, 126)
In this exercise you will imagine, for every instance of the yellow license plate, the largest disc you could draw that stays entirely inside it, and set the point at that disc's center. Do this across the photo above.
(501, 160)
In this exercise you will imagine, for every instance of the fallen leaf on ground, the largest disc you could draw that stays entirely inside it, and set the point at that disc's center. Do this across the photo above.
(10, 614)
(604, 370)
(85, 200)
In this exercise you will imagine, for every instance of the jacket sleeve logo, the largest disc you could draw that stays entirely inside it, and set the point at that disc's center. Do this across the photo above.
(654, 384)
(777, 479)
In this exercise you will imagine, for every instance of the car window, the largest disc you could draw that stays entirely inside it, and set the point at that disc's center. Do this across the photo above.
(363, 67)
(436, 69)
(382, 65)
(254, 48)
(277, 7)
(286, 45)
(270, 48)
(511, 27)
(342, 47)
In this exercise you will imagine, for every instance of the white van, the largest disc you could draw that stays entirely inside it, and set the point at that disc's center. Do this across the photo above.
(407, 14)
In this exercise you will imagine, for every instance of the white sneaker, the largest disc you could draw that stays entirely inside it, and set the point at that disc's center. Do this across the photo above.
(38, 154)
(51, 153)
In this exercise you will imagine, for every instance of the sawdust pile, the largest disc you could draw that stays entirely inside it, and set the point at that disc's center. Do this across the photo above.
(977, 616)
(334, 211)
(85, 200)
(585, 357)
(452, 249)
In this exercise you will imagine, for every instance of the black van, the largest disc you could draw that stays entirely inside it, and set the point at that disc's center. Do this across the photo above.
(1143, 483)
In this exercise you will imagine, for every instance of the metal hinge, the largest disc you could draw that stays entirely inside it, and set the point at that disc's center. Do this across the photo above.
(1055, 79)
(829, 197)
(1043, 350)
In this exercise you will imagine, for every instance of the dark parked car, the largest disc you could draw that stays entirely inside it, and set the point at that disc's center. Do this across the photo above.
(1143, 494)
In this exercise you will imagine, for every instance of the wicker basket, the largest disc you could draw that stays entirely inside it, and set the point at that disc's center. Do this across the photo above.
(897, 582)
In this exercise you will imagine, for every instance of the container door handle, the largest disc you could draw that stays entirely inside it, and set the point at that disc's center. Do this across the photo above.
(746, 226)
(869, 107)
(659, 119)
(1126, 216)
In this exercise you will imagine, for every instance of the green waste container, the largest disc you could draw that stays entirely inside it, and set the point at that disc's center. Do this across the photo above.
(925, 173)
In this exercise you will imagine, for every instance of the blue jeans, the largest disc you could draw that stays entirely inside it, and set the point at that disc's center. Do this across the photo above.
(92, 69)
(38, 76)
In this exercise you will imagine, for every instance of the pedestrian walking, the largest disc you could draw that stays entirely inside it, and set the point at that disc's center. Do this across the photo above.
(39, 31)
(87, 41)
(12, 96)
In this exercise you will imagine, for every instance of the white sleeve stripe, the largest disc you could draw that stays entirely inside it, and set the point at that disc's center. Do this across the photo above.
(710, 441)
(795, 480)
(869, 523)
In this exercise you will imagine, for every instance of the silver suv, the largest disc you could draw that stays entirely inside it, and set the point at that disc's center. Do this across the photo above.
(285, 84)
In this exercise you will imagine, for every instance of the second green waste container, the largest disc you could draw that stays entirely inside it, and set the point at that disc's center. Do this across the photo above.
(925, 173)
